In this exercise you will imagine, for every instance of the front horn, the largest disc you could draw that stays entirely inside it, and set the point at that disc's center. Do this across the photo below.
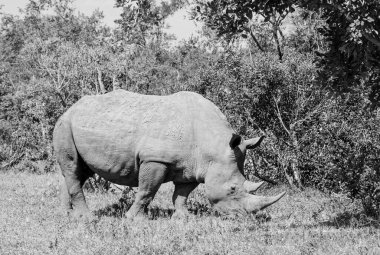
(255, 203)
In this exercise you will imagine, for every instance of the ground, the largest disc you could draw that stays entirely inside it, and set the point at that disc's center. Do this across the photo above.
(301, 223)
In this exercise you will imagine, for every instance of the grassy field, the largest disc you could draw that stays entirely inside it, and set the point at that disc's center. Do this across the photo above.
(301, 223)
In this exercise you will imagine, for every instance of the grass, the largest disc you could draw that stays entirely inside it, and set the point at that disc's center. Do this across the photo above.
(301, 223)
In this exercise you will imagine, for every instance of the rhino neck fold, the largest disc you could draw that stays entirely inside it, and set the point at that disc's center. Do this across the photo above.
(203, 169)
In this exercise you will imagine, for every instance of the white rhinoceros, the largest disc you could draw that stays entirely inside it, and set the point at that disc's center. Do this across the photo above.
(143, 140)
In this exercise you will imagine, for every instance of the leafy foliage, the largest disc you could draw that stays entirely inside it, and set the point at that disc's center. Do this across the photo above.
(228, 16)
(353, 59)
(352, 32)
(141, 18)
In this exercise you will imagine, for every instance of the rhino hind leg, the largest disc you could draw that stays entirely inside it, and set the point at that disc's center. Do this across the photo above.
(181, 192)
(75, 174)
(151, 176)
(74, 171)
(74, 183)
(65, 197)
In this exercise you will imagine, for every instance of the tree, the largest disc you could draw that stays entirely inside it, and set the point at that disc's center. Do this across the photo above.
(305, 35)
(143, 19)
(352, 62)
(353, 33)
(230, 18)
(44, 69)
(262, 96)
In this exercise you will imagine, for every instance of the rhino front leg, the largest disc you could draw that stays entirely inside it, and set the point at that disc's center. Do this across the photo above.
(181, 192)
(151, 176)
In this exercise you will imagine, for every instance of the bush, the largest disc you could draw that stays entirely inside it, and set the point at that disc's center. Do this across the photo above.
(343, 153)
(256, 93)
(337, 137)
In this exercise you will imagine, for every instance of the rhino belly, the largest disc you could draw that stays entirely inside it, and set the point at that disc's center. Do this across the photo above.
(112, 158)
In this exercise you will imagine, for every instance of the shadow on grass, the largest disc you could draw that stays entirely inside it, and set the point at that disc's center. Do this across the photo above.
(341, 221)
(352, 220)
(119, 209)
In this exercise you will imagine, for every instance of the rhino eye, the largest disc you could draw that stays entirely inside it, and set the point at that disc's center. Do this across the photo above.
(232, 189)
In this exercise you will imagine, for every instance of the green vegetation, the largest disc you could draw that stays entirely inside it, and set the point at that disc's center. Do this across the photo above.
(301, 223)
(349, 27)
(313, 90)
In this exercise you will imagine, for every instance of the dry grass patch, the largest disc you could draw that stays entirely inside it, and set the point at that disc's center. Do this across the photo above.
(301, 223)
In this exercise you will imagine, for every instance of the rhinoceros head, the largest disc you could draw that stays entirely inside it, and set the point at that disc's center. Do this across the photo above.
(226, 187)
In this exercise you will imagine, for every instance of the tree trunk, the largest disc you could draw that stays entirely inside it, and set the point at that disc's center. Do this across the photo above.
(275, 30)
(114, 82)
(294, 164)
(43, 135)
(127, 79)
(101, 84)
(288, 177)
(275, 36)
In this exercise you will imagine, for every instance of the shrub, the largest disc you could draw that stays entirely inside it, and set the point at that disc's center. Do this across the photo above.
(334, 141)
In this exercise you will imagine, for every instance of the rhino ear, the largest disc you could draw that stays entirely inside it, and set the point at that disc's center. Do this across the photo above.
(235, 141)
(254, 142)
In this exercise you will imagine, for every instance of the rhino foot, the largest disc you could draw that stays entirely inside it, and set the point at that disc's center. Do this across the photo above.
(180, 214)
(136, 216)
(83, 215)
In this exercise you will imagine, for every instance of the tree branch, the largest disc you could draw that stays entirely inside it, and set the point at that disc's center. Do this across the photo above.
(281, 34)
(372, 40)
(275, 36)
(255, 40)
(63, 102)
(279, 117)
(262, 177)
